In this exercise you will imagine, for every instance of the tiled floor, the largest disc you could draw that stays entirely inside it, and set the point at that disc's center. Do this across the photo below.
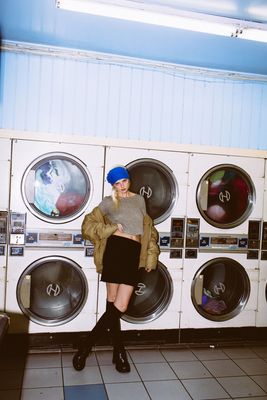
(161, 373)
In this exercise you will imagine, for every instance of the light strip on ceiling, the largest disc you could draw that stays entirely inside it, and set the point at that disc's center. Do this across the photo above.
(169, 17)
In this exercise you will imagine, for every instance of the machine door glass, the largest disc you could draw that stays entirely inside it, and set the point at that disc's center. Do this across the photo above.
(157, 184)
(56, 187)
(225, 196)
(220, 289)
(52, 290)
(151, 296)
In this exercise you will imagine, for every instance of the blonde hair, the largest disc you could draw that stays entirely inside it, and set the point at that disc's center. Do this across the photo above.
(115, 197)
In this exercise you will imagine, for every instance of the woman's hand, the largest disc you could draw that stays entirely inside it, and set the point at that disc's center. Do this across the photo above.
(148, 269)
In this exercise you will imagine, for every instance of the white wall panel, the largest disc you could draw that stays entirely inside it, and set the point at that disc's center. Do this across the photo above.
(66, 96)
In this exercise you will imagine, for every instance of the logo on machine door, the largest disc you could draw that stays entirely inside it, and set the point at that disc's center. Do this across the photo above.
(219, 288)
(53, 289)
(141, 289)
(146, 191)
(224, 196)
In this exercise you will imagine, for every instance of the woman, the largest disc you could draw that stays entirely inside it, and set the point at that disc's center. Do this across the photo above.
(124, 240)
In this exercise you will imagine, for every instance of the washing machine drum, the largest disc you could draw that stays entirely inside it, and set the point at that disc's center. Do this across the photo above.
(52, 291)
(225, 196)
(56, 187)
(220, 289)
(157, 184)
(151, 296)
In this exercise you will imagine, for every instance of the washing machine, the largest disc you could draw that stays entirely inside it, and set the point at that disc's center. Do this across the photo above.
(51, 284)
(5, 157)
(155, 303)
(220, 283)
(161, 178)
(55, 183)
(225, 192)
(261, 317)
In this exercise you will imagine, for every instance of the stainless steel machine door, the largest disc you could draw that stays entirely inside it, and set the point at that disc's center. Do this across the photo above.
(56, 187)
(52, 290)
(157, 184)
(220, 289)
(225, 196)
(151, 296)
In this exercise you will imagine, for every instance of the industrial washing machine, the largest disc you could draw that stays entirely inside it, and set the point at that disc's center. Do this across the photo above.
(5, 156)
(51, 285)
(222, 244)
(161, 178)
(155, 303)
(225, 192)
(261, 317)
(55, 183)
(220, 283)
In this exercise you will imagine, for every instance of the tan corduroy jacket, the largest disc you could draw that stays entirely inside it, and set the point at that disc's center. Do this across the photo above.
(96, 227)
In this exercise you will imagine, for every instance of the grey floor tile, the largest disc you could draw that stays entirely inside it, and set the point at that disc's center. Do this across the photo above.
(261, 380)
(205, 389)
(210, 354)
(251, 398)
(167, 390)
(67, 360)
(111, 375)
(104, 357)
(155, 371)
(239, 352)
(55, 393)
(178, 355)
(44, 360)
(146, 356)
(190, 369)
(89, 375)
(221, 368)
(241, 386)
(10, 394)
(41, 378)
(252, 366)
(127, 391)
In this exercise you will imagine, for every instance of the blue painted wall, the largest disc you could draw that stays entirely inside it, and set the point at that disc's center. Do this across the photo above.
(64, 96)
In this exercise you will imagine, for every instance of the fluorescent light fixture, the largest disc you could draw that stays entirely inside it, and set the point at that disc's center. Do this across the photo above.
(249, 33)
(169, 17)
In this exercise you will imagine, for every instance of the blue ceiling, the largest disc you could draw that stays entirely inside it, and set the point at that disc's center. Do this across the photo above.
(39, 21)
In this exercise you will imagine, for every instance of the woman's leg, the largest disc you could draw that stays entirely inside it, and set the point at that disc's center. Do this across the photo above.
(108, 321)
(120, 296)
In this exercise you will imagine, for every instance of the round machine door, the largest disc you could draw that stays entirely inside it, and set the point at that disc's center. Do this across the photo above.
(151, 296)
(56, 187)
(225, 196)
(157, 184)
(52, 290)
(220, 289)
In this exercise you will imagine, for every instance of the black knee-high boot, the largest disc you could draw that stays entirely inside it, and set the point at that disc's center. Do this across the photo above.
(107, 321)
(119, 354)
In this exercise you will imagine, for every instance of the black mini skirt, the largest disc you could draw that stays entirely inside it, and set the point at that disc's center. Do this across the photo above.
(121, 261)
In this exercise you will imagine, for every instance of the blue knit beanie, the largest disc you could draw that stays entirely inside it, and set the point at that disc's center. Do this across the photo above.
(116, 174)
